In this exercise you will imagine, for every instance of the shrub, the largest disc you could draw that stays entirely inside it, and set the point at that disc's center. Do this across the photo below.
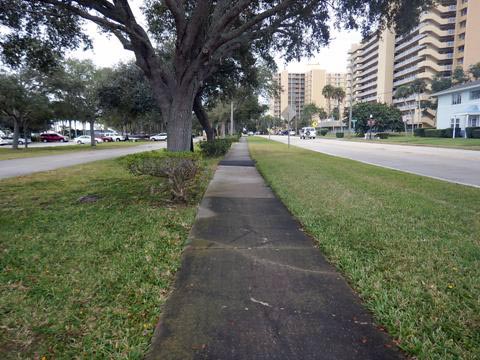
(215, 148)
(419, 132)
(448, 133)
(470, 131)
(476, 134)
(339, 134)
(434, 132)
(179, 169)
(382, 135)
(323, 132)
(360, 134)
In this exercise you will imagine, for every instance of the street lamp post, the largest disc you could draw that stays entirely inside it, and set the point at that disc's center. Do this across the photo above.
(370, 124)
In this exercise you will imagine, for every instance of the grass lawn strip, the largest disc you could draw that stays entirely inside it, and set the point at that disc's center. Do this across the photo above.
(408, 244)
(21, 152)
(86, 280)
(458, 143)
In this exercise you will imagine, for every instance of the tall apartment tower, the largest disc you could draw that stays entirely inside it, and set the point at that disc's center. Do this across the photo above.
(370, 67)
(299, 89)
(467, 34)
(447, 36)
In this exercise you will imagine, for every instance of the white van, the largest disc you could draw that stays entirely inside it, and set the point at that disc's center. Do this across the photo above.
(308, 133)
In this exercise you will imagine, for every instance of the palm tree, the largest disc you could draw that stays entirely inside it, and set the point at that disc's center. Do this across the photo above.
(403, 92)
(418, 86)
(328, 92)
(339, 95)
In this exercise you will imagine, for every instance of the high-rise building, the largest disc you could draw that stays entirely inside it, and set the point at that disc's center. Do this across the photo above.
(301, 88)
(369, 73)
(447, 36)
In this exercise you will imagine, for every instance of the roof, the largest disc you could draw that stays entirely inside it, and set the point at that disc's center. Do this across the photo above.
(468, 85)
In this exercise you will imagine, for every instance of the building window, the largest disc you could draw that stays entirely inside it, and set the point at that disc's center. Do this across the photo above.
(474, 120)
(454, 123)
(461, 48)
(460, 61)
(464, 1)
(456, 98)
(461, 36)
(475, 94)
(463, 12)
(463, 24)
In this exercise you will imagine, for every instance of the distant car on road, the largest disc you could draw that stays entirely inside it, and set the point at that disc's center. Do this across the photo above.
(159, 137)
(308, 133)
(108, 137)
(250, 133)
(52, 137)
(86, 139)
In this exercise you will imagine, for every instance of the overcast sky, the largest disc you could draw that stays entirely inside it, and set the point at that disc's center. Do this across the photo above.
(107, 51)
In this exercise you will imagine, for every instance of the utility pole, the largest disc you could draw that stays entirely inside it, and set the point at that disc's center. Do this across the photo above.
(231, 117)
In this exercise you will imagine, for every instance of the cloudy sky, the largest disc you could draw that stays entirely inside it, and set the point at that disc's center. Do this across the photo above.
(107, 51)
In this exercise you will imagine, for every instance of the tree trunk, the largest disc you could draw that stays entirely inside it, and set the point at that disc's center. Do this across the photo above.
(16, 133)
(25, 133)
(222, 129)
(203, 118)
(92, 133)
(179, 124)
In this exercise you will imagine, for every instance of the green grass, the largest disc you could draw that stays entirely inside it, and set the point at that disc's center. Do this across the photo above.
(86, 280)
(458, 143)
(21, 152)
(409, 245)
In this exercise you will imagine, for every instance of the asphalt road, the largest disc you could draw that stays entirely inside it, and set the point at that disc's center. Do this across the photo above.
(453, 165)
(19, 167)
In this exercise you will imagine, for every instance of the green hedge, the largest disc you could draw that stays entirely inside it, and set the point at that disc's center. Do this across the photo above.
(339, 135)
(476, 134)
(443, 133)
(215, 148)
(324, 132)
(382, 135)
(419, 132)
(470, 131)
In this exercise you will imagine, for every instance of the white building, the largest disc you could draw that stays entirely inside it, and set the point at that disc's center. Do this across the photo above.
(459, 106)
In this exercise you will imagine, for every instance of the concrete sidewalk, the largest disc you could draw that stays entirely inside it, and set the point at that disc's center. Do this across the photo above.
(253, 286)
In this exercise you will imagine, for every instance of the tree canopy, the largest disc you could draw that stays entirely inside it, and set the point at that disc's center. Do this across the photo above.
(185, 42)
(386, 117)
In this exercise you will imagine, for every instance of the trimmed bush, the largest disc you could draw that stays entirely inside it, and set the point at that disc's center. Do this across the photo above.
(433, 133)
(470, 130)
(179, 169)
(419, 132)
(382, 135)
(215, 148)
(339, 134)
(476, 134)
(323, 132)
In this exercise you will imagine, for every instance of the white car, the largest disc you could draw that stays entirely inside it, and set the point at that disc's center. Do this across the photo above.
(159, 137)
(308, 133)
(85, 139)
(113, 137)
(5, 140)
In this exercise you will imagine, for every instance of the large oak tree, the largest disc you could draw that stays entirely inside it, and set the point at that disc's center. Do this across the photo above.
(186, 41)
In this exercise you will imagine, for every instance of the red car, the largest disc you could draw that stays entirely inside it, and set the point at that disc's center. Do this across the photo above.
(52, 138)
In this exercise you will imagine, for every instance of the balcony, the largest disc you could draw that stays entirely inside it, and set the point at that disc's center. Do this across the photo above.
(406, 71)
(409, 42)
(371, 63)
(410, 60)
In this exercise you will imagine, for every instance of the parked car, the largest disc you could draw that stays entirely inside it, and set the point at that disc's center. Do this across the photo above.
(21, 141)
(5, 140)
(159, 137)
(52, 137)
(107, 137)
(86, 139)
(250, 133)
(308, 133)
